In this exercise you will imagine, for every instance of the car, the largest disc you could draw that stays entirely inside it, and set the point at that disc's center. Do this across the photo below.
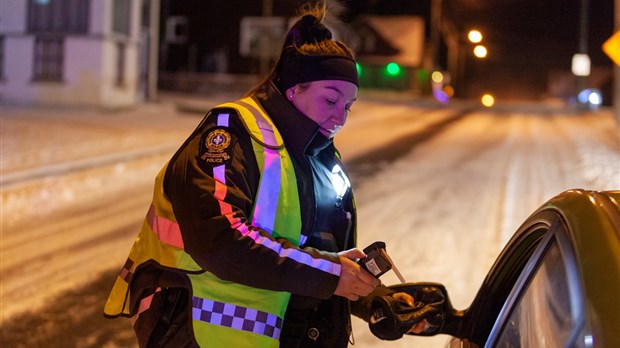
(556, 283)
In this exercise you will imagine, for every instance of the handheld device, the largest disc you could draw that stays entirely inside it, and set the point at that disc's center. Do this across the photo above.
(377, 261)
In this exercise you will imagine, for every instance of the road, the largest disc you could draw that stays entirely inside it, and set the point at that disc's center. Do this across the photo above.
(444, 187)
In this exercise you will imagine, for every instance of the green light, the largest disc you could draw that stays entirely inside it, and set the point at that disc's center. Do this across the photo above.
(359, 69)
(392, 69)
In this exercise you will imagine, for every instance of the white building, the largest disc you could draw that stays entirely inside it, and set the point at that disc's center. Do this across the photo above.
(74, 52)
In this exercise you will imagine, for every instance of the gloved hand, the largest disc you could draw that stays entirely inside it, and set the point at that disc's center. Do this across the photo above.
(391, 317)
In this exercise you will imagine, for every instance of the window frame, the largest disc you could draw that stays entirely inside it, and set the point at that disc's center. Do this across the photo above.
(121, 26)
(44, 62)
(60, 17)
(556, 233)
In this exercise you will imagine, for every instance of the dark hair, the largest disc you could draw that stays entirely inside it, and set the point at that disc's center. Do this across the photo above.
(307, 37)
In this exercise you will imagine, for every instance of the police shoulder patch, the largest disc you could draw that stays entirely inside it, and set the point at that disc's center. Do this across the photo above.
(217, 146)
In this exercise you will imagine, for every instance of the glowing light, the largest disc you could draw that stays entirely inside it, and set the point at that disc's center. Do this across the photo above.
(359, 69)
(480, 51)
(441, 96)
(392, 69)
(437, 76)
(487, 100)
(474, 36)
(581, 65)
(340, 181)
(449, 90)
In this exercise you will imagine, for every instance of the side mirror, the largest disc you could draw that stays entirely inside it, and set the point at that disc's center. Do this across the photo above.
(431, 302)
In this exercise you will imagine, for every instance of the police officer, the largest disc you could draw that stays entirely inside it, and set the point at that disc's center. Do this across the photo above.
(250, 238)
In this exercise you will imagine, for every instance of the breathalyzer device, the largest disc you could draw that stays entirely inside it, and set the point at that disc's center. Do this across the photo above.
(377, 261)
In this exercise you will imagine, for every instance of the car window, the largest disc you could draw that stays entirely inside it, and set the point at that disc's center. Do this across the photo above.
(542, 317)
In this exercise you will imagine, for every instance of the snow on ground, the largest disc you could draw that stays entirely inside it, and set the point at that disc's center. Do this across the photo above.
(445, 209)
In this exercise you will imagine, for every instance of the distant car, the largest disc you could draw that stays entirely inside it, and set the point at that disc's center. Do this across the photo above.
(590, 98)
(555, 284)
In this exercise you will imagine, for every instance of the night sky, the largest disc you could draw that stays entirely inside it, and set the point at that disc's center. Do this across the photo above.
(525, 38)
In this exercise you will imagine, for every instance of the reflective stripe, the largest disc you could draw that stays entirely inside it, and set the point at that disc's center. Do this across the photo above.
(145, 304)
(222, 120)
(297, 255)
(236, 317)
(167, 231)
(267, 200)
(219, 174)
(266, 130)
(265, 209)
(126, 273)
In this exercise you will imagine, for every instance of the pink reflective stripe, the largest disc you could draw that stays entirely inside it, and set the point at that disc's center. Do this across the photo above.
(219, 174)
(167, 231)
(267, 200)
(220, 182)
(145, 304)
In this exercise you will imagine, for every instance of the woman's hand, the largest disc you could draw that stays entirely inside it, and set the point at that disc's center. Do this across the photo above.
(354, 282)
(409, 300)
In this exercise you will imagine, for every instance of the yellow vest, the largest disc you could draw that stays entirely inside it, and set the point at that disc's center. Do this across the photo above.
(225, 314)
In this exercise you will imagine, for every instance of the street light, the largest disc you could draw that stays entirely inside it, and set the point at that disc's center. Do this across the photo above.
(480, 51)
(474, 36)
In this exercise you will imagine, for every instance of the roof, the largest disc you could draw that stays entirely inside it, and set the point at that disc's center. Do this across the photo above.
(403, 33)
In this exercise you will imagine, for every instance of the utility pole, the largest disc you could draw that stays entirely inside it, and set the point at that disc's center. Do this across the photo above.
(616, 68)
(435, 36)
(153, 60)
(583, 41)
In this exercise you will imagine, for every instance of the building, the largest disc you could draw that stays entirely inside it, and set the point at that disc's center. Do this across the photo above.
(92, 53)
(390, 51)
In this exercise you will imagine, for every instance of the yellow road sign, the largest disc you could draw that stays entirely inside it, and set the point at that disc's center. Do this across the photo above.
(612, 47)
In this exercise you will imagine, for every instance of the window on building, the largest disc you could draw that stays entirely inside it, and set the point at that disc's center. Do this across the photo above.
(58, 16)
(122, 15)
(120, 63)
(48, 58)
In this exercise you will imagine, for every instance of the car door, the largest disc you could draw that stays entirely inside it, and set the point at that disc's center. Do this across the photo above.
(544, 307)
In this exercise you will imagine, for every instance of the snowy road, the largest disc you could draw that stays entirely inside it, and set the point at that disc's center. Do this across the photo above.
(445, 207)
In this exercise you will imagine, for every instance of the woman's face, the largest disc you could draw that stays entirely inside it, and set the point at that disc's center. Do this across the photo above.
(325, 102)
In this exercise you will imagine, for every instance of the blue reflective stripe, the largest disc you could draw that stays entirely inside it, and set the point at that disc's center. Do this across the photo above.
(266, 207)
(265, 210)
(222, 120)
(236, 317)
(295, 254)
(267, 201)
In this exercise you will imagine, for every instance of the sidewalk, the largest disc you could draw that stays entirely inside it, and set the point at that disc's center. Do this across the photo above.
(37, 142)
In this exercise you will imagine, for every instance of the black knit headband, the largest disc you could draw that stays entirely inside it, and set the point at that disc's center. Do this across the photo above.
(315, 68)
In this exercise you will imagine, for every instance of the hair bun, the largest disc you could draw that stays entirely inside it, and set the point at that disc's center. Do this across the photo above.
(309, 29)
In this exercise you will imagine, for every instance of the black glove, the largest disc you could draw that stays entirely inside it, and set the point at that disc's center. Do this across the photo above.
(392, 318)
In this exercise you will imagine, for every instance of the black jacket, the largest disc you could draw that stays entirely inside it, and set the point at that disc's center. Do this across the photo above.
(328, 217)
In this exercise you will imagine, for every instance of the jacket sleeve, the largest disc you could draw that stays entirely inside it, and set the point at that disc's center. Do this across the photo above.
(212, 192)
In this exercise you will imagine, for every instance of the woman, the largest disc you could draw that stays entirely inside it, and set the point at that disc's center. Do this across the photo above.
(250, 238)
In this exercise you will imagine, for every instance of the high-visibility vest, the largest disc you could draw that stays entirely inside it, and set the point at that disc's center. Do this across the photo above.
(225, 313)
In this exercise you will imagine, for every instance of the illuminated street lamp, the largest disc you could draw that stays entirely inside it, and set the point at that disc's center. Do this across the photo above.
(474, 36)
(480, 51)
